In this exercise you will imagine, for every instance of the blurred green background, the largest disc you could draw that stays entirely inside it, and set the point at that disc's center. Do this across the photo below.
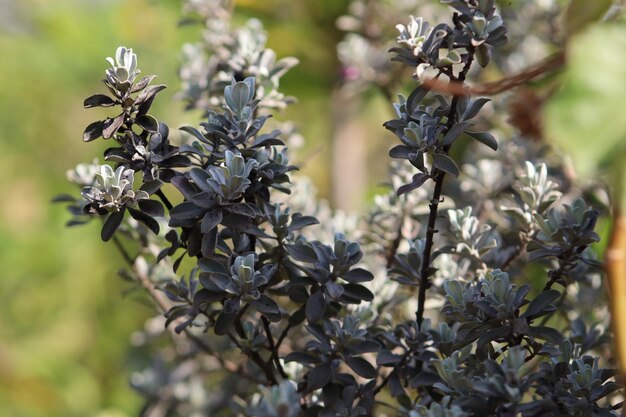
(65, 321)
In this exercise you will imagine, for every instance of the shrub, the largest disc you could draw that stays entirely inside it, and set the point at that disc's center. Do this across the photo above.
(423, 308)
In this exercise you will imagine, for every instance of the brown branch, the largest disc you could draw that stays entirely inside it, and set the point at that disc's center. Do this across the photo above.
(616, 276)
(122, 250)
(458, 88)
(519, 250)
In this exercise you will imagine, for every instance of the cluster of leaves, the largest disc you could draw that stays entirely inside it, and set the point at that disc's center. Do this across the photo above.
(428, 131)
(253, 265)
(297, 326)
(208, 66)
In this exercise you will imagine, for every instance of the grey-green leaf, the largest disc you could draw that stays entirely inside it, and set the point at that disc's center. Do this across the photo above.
(484, 138)
(444, 163)
(455, 132)
(540, 302)
(110, 126)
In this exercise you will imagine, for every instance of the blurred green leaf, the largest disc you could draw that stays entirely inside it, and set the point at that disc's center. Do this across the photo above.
(584, 117)
(581, 13)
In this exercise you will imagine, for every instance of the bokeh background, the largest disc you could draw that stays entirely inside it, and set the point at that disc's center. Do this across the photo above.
(66, 318)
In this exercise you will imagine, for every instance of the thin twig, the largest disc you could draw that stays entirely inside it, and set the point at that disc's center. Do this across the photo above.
(127, 258)
(556, 274)
(519, 250)
(164, 305)
(164, 199)
(428, 247)
(395, 243)
(387, 377)
(282, 336)
(551, 63)
(439, 177)
(266, 367)
(272, 346)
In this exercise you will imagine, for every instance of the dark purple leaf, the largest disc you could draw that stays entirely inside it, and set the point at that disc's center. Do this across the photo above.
(110, 126)
(301, 357)
(93, 131)
(207, 200)
(195, 133)
(152, 224)
(147, 122)
(117, 155)
(143, 83)
(362, 367)
(315, 307)
(212, 265)
(475, 108)
(298, 221)
(356, 275)
(226, 317)
(152, 208)
(151, 187)
(301, 252)
(146, 97)
(357, 291)
(318, 377)
(98, 100)
(387, 358)
(186, 210)
(111, 224)
(211, 219)
(243, 209)
(401, 152)
(267, 307)
(484, 138)
(446, 164)
(539, 304)
(205, 296)
(454, 133)
(424, 378)
(418, 180)
(209, 241)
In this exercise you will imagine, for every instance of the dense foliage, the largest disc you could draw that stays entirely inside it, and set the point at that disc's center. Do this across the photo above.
(421, 309)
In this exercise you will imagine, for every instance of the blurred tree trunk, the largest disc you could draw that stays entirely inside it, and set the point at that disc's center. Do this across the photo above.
(349, 153)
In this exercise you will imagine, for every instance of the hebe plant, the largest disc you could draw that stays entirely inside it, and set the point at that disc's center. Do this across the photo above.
(433, 316)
